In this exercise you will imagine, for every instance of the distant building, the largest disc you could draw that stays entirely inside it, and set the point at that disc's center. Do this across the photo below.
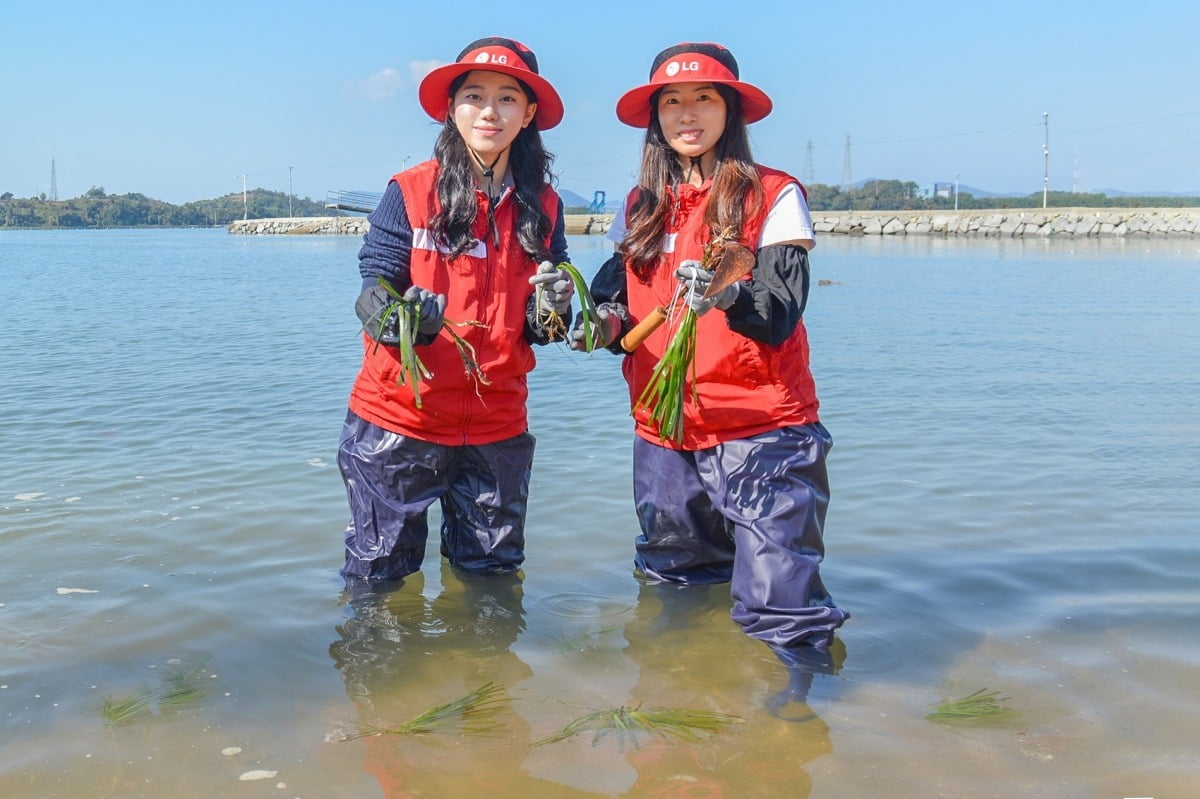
(943, 190)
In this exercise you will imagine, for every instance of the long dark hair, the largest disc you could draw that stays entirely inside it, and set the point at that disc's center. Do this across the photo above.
(528, 162)
(735, 180)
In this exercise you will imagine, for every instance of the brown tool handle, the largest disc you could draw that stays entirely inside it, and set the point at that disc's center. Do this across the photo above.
(642, 330)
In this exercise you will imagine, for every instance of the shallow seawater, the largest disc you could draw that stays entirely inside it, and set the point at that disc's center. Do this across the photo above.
(1015, 482)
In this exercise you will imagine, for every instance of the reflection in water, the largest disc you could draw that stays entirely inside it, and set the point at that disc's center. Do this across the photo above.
(688, 655)
(400, 653)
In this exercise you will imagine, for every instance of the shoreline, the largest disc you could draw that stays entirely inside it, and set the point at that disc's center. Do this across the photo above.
(1005, 223)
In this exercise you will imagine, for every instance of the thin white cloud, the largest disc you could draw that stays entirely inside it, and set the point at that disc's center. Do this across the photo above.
(419, 69)
(381, 85)
(389, 81)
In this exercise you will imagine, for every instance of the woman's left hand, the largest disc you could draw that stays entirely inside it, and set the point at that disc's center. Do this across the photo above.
(698, 279)
(557, 288)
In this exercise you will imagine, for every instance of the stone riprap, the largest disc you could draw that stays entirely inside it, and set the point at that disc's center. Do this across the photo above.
(1117, 222)
(577, 224)
(301, 225)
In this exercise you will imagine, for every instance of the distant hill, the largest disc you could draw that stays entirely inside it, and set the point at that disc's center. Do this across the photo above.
(97, 209)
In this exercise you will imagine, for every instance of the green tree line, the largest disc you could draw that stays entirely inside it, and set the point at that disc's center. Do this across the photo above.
(96, 209)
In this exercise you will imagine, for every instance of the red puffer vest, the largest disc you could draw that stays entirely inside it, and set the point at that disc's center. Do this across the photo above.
(743, 387)
(486, 284)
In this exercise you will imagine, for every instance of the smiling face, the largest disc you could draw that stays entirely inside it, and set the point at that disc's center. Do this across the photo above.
(692, 117)
(489, 110)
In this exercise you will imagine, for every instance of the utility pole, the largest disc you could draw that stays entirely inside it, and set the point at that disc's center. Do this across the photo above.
(290, 191)
(53, 182)
(956, 192)
(847, 175)
(245, 203)
(1045, 157)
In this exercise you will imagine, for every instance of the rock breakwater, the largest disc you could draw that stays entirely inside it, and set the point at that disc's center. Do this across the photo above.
(1115, 222)
(1057, 222)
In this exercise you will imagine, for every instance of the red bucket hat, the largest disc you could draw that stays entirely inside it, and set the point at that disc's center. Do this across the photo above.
(692, 62)
(494, 54)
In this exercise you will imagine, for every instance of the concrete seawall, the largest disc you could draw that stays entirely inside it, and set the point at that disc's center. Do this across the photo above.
(1055, 222)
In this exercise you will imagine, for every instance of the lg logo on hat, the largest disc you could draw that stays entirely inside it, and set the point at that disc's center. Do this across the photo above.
(484, 58)
(675, 67)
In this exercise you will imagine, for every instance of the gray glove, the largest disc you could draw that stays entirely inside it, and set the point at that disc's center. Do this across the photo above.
(698, 280)
(605, 329)
(432, 308)
(557, 288)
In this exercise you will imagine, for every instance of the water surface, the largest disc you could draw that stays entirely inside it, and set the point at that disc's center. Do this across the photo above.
(1014, 508)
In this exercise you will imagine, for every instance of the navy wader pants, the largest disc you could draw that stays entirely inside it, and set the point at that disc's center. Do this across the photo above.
(749, 512)
(391, 480)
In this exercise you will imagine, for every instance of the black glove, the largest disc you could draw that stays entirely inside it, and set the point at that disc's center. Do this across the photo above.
(370, 307)
(698, 280)
(557, 288)
(431, 308)
(606, 327)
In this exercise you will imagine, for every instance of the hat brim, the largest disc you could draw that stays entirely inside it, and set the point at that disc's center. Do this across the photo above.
(434, 91)
(634, 106)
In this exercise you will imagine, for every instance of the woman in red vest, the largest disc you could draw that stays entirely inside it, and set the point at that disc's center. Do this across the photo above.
(742, 496)
(462, 237)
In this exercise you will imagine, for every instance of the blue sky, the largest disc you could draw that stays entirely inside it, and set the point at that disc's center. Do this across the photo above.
(178, 101)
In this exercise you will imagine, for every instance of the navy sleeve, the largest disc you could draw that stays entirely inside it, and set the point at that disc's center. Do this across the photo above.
(558, 239)
(387, 245)
(770, 305)
(535, 331)
(610, 291)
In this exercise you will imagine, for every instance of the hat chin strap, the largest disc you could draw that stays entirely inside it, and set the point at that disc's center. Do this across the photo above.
(696, 164)
(489, 172)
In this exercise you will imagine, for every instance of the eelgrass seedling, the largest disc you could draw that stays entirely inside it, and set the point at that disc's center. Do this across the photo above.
(475, 713)
(586, 641)
(556, 326)
(408, 319)
(179, 687)
(466, 351)
(119, 711)
(664, 395)
(632, 724)
(982, 704)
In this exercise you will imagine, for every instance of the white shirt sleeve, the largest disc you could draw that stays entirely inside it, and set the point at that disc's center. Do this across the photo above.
(616, 229)
(788, 219)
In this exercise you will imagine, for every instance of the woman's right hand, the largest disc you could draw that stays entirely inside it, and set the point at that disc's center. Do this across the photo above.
(431, 308)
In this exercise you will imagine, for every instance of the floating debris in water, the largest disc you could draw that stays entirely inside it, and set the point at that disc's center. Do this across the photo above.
(65, 591)
(982, 704)
(229, 751)
(630, 723)
(258, 774)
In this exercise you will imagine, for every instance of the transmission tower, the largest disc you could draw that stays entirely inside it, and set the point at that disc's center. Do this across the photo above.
(847, 177)
(53, 183)
(808, 175)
